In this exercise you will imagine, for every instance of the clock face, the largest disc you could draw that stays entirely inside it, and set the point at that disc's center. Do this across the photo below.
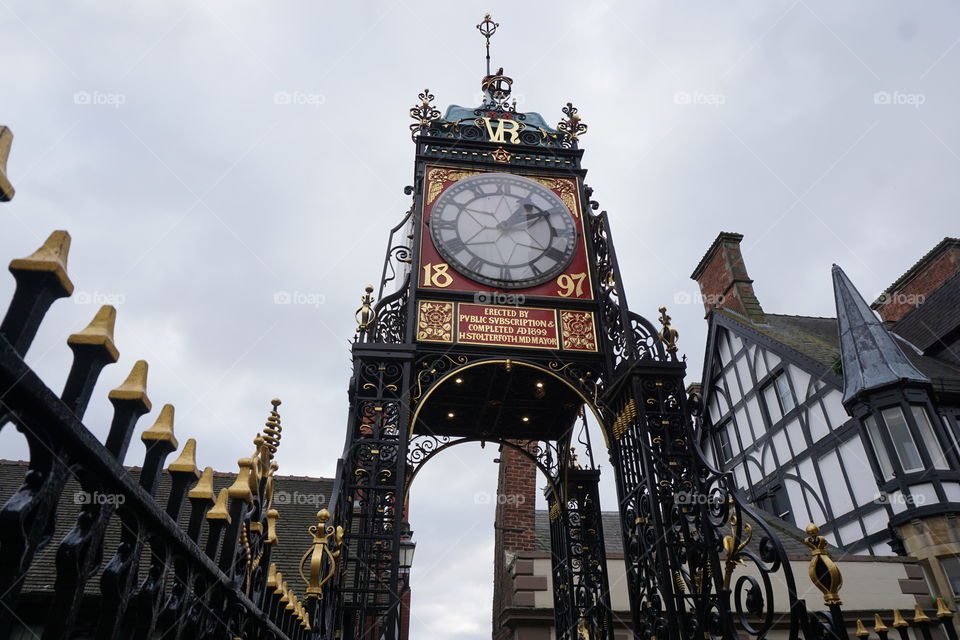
(503, 230)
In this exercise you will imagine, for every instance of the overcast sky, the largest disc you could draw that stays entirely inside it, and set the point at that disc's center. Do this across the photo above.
(212, 158)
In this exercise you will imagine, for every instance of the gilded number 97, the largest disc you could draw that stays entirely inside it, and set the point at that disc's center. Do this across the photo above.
(571, 283)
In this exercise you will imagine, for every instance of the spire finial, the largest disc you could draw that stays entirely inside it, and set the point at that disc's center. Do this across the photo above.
(487, 28)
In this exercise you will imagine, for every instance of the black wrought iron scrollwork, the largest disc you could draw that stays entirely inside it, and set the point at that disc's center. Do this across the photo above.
(572, 128)
(390, 325)
(423, 113)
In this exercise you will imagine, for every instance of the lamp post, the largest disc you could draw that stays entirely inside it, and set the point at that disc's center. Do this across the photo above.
(407, 549)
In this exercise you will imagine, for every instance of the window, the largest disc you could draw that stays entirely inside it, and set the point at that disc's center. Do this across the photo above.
(783, 392)
(774, 500)
(873, 432)
(928, 437)
(903, 442)
(725, 449)
(779, 399)
(951, 569)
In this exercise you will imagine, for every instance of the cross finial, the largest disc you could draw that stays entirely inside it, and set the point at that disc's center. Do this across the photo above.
(487, 28)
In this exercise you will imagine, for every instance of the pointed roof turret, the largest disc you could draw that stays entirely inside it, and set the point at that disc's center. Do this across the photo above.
(871, 357)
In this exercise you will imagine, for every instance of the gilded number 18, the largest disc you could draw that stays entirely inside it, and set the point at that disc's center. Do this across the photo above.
(436, 275)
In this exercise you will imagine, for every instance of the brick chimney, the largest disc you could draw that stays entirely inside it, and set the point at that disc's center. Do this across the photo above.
(723, 279)
(514, 531)
(912, 288)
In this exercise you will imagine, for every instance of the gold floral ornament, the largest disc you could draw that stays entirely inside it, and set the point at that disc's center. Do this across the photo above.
(572, 126)
(734, 545)
(578, 330)
(435, 321)
(322, 555)
(824, 573)
(668, 334)
(424, 113)
(365, 315)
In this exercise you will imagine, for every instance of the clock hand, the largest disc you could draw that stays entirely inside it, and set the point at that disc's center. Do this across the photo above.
(518, 214)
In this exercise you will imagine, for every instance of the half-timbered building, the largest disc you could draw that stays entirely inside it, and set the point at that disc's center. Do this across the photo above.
(848, 422)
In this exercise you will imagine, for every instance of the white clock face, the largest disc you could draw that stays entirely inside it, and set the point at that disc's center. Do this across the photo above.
(503, 230)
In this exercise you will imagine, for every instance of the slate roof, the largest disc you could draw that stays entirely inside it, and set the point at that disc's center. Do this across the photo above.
(871, 357)
(790, 536)
(818, 339)
(933, 320)
(302, 496)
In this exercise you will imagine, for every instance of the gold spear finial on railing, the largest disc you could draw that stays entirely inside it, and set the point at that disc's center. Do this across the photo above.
(942, 610)
(824, 573)
(898, 620)
(668, 334)
(919, 616)
(878, 625)
(365, 315)
(319, 551)
(6, 140)
(861, 630)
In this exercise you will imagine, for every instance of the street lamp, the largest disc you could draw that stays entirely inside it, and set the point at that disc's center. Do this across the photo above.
(407, 548)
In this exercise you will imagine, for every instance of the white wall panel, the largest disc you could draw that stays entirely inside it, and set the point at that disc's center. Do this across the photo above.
(801, 380)
(855, 461)
(817, 422)
(837, 492)
(836, 414)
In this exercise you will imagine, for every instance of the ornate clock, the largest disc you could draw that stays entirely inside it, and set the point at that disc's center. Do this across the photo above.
(503, 230)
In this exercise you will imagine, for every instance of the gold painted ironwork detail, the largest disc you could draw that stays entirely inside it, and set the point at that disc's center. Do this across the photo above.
(365, 315)
(501, 155)
(325, 550)
(823, 572)
(50, 258)
(437, 177)
(554, 511)
(668, 334)
(624, 418)
(572, 126)
(435, 321)
(99, 332)
(579, 332)
(6, 140)
(898, 620)
(424, 113)
(162, 429)
(134, 387)
(878, 625)
(734, 545)
(942, 610)
(565, 188)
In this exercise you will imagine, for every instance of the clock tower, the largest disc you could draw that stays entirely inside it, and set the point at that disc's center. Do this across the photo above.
(501, 317)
